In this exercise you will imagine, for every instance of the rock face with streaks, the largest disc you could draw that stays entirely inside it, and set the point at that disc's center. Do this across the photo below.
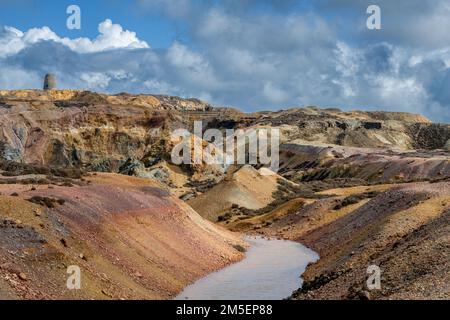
(88, 130)
(101, 132)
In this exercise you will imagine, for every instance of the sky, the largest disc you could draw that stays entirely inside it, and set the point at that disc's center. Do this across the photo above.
(249, 54)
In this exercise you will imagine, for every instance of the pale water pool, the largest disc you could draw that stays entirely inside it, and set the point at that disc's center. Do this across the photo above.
(270, 271)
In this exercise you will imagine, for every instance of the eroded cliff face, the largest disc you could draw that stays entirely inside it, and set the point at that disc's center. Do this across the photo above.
(131, 134)
(101, 132)
(81, 129)
(355, 129)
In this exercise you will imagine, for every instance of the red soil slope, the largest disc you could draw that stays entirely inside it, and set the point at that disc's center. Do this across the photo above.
(131, 239)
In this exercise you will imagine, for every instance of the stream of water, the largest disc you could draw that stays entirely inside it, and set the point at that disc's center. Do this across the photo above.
(270, 271)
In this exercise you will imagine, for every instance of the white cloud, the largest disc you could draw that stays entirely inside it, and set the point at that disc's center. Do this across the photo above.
(274, 94)
(111, 36)
(193, 68)
(95, 80)
(405, 93)
(17, 78)
(159, 87)
(180, 56)
(216, 23)
(10, 41)
(248, 63)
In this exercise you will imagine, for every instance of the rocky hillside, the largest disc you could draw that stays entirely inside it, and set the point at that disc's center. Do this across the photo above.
(354, 129)
(130, 134)
(101, 132)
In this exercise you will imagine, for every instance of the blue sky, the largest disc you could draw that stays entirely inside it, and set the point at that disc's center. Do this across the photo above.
(251, 54)
(23, 14)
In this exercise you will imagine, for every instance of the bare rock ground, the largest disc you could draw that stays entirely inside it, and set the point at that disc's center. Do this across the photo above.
(360, 188)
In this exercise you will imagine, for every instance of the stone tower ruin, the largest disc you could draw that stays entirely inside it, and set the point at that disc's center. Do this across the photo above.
(49, 82)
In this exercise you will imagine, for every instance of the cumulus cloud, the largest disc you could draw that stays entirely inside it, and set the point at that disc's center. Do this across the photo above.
(13, 77)
(274, 94)
(111, 36)
(180, 56)
(95, 80)
(418, 23)
(253, 55)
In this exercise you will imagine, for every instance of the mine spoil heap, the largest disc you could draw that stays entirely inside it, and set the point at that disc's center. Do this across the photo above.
(375, 185)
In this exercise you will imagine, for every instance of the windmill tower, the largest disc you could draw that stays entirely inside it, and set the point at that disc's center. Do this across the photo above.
(49, 82)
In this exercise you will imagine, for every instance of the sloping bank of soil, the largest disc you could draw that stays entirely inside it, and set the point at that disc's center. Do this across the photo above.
(130, 238)
(404, 231)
